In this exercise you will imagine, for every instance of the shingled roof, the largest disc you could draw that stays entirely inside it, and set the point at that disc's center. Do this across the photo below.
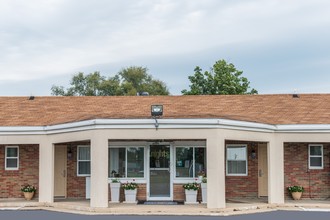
(270, 109)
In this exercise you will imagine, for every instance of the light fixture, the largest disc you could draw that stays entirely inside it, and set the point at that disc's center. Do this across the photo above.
(253, 154)
(70, 152)
(156, 110)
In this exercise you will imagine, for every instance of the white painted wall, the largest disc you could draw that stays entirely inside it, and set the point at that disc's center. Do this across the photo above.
(99, 171)
(46, 172)
(216, 189)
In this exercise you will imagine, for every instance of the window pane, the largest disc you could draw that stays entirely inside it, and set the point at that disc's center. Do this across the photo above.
(135, 162)
(84, 168)
(200, 161)
(315, 150)
(84, 153)
(236, 153)
(316, 161)
(236, 167)
(159, 157)
(12, 152)
(117, 162)
(184, 159)
(11, 163)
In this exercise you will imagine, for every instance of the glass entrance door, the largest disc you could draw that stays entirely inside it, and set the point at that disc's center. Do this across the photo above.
(160, 173)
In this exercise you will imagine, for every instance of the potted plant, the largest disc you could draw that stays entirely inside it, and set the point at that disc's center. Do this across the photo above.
(28, 191)
(204, 190)
(296, 191)
(115, 190)
(130, 189)
(191, 190)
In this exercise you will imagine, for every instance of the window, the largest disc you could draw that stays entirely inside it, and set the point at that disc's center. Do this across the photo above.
(132, 167)
(315, 156)
(190, 161)
(236, 160)
(12, 160)
(84, 161)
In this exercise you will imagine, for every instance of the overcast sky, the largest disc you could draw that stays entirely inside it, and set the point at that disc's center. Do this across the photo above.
(279, 45)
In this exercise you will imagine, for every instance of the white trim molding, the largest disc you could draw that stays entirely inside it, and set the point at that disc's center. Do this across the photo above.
(162, 124)
(13, 158)
(315, 156)
(83, 160)
(228, 146)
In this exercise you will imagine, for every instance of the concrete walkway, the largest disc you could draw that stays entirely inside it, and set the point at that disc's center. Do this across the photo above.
(233, 208)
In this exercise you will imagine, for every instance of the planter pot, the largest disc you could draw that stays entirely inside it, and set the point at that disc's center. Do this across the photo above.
(191, 196)
(115, 192)
(130, 196)
(28, 195)
(296, 195)
(204, 192)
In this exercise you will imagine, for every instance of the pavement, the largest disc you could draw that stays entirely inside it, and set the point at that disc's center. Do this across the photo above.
(232, 207)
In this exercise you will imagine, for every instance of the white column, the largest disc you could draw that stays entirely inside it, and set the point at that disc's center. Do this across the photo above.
(99, 171)
(46, 172)
(276, 171)
(216, 189)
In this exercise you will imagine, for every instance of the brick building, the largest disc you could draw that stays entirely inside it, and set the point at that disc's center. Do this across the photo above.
(249, 146)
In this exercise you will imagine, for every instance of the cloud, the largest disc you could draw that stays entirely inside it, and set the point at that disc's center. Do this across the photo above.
(48, 38)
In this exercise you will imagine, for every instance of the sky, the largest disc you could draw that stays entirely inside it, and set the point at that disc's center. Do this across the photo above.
(281, 46)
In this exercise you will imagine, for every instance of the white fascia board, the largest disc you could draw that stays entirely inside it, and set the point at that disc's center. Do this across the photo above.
(247, 125)
(137, 124)
(184, 123)
(303, 128)
(163, 124)
(14, 130)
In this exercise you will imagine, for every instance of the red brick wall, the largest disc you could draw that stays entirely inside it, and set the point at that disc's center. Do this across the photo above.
(315, 182)
(28, 172)
(76, 185)
(244, 186)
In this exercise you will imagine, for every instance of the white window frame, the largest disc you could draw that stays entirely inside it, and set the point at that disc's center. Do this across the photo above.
(194, 162)
(144, 162)
(78, 149)
(315, 156)
(6, 157)
(247, 159)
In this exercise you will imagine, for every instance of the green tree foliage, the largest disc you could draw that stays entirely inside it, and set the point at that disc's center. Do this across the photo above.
(136, 79)
(129, 81)
(222, 79)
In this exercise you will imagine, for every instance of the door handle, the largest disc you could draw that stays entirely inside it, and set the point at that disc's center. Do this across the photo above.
(260, 173)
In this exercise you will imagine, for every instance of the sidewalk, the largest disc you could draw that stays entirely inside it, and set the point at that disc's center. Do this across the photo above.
(233, 208)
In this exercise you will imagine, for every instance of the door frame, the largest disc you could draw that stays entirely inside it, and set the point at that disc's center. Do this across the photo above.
(64, 148)
(260, 168)
(171, 168)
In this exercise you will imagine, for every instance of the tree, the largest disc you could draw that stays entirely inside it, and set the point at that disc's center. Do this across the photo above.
(136, 80)
(222, 79)
(129, 81)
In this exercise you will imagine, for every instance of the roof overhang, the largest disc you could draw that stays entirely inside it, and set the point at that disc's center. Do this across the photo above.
(163, 124)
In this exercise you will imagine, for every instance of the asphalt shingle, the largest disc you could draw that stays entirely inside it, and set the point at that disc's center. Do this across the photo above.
(270, 109)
